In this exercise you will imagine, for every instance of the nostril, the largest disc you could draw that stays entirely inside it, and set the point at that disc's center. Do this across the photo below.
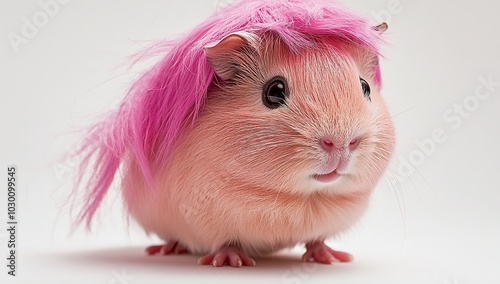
(354, 143)
(327, 144)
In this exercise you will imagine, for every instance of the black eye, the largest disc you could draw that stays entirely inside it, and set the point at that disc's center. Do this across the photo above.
(366, 89)
(275, 93)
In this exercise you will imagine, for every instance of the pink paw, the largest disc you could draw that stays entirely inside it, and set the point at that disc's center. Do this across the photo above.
(168, 248)
(227, 255)
(319, 252)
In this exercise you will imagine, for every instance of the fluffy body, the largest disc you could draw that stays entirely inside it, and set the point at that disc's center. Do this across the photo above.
(204, 161)
(242, 173)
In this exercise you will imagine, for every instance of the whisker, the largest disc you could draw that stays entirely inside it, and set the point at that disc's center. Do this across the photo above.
(427, 183)
(403, 112)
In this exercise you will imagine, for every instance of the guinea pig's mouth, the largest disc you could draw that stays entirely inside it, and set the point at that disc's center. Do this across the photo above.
(329, 177)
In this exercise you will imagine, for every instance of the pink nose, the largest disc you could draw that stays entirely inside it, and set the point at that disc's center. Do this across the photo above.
(330, 145)
(354, 143)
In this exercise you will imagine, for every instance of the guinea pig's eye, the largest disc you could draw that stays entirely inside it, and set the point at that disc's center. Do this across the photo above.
(366, 89)
(275, 93)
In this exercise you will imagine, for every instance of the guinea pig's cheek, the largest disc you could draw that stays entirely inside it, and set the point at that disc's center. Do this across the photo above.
(351, 166)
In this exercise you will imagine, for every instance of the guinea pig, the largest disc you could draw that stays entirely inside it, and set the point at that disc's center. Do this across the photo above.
(261, 129)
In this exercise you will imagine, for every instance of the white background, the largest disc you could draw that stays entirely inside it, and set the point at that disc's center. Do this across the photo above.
(439, 224)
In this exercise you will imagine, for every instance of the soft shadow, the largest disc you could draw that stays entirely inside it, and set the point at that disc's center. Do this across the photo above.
(135, 256)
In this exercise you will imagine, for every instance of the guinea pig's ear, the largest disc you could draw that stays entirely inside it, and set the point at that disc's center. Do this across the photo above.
(222, 56)
(381, 28)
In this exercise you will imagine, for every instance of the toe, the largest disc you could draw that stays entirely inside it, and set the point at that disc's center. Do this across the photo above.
(168, 248)
(246, 260)
(219, 259)
(206, 259)
(151, 250)
(323, 256)
(341, 256)
(234, 259)
(180, 249)
(308, 256)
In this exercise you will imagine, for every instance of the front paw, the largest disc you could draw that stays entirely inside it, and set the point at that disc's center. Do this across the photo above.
(231, 256)
(321, 253)
(171, 247)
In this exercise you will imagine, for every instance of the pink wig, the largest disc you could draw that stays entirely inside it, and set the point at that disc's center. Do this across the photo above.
(167, 98)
